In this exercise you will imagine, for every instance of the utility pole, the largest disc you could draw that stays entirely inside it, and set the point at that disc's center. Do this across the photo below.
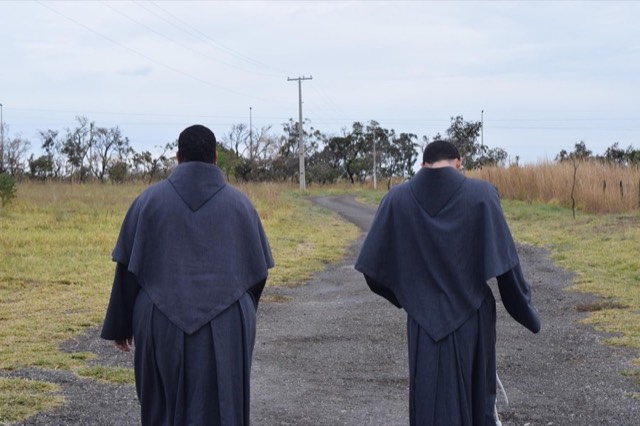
(482, 130)
(300, 133)
(375, 174)
(250, 135)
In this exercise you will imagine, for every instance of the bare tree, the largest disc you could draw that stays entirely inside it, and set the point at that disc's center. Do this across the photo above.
(15, 152)
(153, 168)
(261, 144)
(3, 131)
(237, 140)
(77, 145)
(52, 163)
(108, 146)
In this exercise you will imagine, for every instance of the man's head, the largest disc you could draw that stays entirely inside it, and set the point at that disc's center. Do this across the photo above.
(441, 154)
(197, 143)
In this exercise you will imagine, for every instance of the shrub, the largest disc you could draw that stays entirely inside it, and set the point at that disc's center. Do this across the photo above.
(7, 188)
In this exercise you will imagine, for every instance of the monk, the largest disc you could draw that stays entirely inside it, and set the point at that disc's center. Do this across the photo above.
(434, 243)
(191, 262)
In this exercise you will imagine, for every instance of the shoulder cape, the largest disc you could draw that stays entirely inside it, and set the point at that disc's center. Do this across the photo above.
(434, 243)
(194, 243)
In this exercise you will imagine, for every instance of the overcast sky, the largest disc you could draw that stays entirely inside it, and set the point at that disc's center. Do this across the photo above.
(546, 74)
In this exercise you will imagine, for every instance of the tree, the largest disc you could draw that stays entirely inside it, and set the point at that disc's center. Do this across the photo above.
(76, 145)
(580, 153)
(7, 188)
(261, 144)
(615, 155)
(237, 139)
(118, 171)
(3, 131)
(562, 156)
(495, 157)
(227, 160)
(400, 156)
(464, 135)
(108, 146)
(250, 154)
(53, 152)
(322, 167)
(41, 167)
(633, 155)
(621, 157)
(350, 151)
(285, 164)
(152, 168)
(15, 150)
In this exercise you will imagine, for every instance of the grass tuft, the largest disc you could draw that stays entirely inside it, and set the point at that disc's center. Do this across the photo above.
(107, 374)
(275, 298)
(600, 305)
(20, 398)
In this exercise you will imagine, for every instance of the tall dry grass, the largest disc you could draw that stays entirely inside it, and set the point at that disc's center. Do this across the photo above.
(599, 188)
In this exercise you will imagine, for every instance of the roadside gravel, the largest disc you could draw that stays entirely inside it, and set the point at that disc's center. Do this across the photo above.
(334, 354)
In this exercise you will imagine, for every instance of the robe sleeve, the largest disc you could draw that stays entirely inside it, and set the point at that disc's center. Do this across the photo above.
(118, 320)
(516, 298)
(256, 291)
(382, 291)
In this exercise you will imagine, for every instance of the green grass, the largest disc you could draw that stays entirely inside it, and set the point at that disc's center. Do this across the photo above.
(107, 374)
(20, 398)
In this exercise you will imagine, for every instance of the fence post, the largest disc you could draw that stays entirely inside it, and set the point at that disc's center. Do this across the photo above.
(621, 190)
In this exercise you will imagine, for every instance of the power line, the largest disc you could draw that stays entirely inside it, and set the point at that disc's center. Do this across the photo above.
(191, 30)
(146, 56)
(184, 46)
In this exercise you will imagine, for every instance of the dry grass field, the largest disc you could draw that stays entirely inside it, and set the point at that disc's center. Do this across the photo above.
(599, 188)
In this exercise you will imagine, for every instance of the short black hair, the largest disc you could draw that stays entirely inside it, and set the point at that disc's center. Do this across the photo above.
(440, 150)
(197, 143)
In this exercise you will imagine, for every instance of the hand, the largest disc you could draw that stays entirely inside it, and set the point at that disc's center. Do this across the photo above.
(124, 344)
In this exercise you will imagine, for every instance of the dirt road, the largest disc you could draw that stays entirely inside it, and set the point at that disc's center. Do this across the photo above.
(335, 354)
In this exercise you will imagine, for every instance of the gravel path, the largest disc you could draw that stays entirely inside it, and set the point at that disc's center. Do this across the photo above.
(334, 354)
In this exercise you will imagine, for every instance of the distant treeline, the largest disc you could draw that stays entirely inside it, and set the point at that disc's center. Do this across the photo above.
(92, 153)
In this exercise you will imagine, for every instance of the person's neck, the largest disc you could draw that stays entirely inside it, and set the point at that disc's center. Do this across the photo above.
(441, 164)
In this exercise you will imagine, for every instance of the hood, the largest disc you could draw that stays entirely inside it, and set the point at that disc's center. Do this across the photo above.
(196, 182)
(433, 188)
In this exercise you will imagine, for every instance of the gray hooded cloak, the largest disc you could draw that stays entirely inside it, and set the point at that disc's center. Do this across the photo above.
(192, 260)
(434, 243)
